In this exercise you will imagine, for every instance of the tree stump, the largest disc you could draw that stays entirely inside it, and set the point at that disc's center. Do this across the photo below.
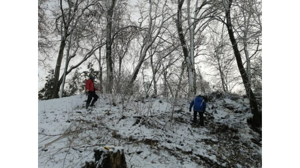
(108, 157)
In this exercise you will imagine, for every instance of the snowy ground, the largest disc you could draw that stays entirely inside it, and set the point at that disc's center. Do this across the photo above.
(68, 133)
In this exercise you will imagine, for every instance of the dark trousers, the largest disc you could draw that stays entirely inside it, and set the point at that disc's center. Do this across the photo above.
(201, 117)
(91, 94)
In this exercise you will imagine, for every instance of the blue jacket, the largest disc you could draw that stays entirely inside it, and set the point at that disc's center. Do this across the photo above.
(199, 104)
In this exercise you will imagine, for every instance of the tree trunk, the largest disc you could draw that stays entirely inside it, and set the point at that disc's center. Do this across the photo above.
(247, 17)
(143, 52)
(169, 86)
(109, 62)
(64, 78)
(66, 68)
(219, 52)
(138, 67)
(191, 30)
(222, 76)
(202, 82)
(192, 90)
(257, 119)
(57, 68)
(119, 76)
(114, 158)
(177, 90)
(100, 72)
(248, 61)
(149, 40)
(165, 92)
(153, 76)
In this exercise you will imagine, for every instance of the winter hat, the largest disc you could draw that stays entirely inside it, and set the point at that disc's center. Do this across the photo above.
(92, 77)
(197, 95)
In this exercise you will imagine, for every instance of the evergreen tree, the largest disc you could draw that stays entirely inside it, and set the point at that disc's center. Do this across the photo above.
(46, 92)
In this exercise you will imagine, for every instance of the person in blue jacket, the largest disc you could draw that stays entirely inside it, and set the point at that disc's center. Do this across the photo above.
(199, 107)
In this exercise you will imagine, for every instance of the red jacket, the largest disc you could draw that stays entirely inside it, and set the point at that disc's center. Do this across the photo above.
(89, 85)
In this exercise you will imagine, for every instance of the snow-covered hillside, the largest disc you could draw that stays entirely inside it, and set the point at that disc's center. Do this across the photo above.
(68, 133)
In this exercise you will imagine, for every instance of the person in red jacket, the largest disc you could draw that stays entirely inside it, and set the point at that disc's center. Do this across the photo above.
(90, 90)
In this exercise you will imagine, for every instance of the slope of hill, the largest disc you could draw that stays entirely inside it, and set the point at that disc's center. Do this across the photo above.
(68, 133)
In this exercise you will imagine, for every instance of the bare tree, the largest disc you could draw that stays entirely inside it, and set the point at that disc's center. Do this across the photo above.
(257, 120)
(66, 66)
(166, 47)
(45, 44)
(192, 90)
(177, 89)
(84, 38)
(100, 77)
(66, 22)
(220, 57)
(110, 4)
(151, 35)
(247, 19)
(192, 27)
(202, 16)
(122, 47)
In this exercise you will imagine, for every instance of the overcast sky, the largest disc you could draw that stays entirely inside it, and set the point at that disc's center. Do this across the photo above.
(43, 72)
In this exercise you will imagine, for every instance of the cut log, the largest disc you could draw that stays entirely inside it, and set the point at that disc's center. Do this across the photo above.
(108, 157)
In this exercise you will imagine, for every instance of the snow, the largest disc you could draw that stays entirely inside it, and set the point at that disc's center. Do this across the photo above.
(68, 133)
